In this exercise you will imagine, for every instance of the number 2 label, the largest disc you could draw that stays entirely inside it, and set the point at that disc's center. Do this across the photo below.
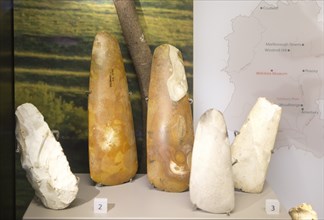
(100, 205)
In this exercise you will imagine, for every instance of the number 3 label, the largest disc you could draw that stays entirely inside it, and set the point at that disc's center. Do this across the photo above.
(100, 205)
(272, 206)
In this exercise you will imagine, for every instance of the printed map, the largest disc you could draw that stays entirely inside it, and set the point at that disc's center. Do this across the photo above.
(277, 51)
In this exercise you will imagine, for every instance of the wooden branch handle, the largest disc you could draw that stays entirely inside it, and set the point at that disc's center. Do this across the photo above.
(136, 43)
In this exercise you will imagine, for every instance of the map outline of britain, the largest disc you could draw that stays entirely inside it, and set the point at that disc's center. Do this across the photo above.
(278, 52)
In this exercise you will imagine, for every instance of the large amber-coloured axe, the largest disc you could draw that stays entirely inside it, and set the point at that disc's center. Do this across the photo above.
(112, 146)
(169, 122)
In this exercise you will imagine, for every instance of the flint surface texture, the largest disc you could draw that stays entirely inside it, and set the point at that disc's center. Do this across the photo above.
(211, 180)
(112, 146)
(169, 122)
(43, 159)
(253, 145)
(303, 211)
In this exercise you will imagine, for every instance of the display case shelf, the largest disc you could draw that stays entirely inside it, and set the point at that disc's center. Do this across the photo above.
(137, 199)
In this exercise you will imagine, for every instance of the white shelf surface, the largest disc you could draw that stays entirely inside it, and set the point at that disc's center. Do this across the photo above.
(139, 200)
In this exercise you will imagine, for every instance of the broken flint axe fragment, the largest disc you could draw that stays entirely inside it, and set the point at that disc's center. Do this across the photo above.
(112, 147)
(302, 212)
(211, 180)
(42, 157)
(169, 122)
(253, 145)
